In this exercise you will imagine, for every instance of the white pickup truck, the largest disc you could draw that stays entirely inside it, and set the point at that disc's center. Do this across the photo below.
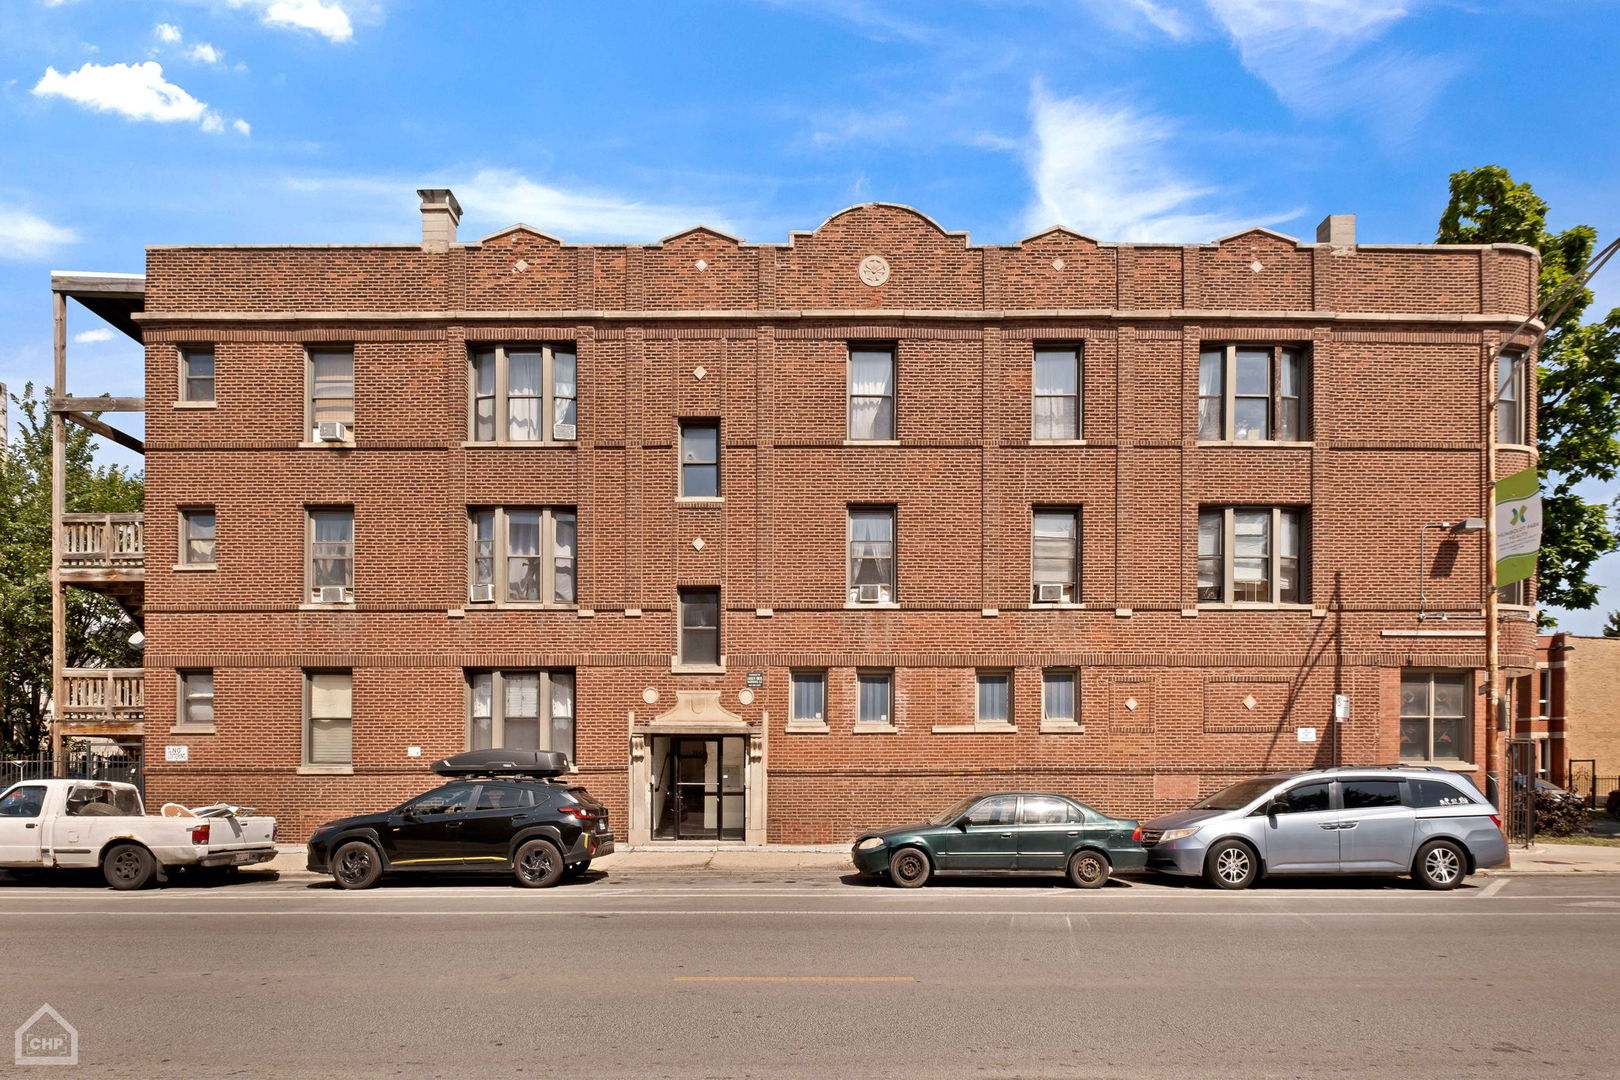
(85, 824)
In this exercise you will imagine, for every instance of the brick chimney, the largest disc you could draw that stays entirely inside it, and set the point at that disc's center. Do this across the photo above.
(1337, 230)
(440, 215)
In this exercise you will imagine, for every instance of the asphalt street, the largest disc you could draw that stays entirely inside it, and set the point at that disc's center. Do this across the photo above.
(710, 975)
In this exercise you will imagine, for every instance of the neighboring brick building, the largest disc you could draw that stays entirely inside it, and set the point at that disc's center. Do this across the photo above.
(1109, 519)
(1569, 713)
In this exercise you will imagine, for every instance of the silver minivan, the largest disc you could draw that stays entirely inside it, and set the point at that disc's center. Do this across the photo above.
(1418, 820)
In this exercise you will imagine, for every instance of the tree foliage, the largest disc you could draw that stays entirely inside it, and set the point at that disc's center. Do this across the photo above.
(97, 629)
(1578, 377)
(1612, 627)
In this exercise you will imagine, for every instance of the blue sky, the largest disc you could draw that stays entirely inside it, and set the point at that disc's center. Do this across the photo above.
(133, 122)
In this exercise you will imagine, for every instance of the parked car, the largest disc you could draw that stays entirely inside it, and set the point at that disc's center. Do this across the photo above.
(504, 812)
(1030, 832)
(1419, 820)
(86, 824)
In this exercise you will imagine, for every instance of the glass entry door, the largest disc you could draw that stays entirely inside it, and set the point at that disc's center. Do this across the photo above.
(698, 790)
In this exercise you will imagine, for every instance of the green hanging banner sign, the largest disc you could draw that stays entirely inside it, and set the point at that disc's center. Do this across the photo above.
(1518, 526)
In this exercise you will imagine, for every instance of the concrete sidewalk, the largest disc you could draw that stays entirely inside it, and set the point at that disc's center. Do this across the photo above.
(1552, 857)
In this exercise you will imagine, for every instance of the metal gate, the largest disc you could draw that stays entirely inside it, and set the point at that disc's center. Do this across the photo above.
(102, 761)
(1583, 780)
(1520, 804)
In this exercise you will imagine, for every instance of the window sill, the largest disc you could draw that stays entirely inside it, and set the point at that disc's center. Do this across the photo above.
(1287, 444)
(871, 442)
(194, 568)
(699, 500)
(807, 727)
(1058, 442)
(516, 444)
(346, 444)
(516, 605)
(195, 405)
(1449, 766)
(874, 729)
(1221, 605)
(974, 729)
(697, 669)
(1526, 447)
(326, 770)
(881, 605)
(348, 606)
(194, 729)
(1062, 605)
(1062, 727)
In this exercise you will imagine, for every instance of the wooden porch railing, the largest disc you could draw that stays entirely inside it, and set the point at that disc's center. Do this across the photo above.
(103, 540)
(103, 694)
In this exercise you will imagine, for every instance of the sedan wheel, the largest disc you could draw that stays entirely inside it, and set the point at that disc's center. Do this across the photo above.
(1088, 870)
(909, 868)
(1231, 864)
(1440, 865)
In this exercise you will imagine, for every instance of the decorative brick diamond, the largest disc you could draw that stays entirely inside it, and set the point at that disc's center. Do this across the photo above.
(1130, 703)
(519, 266)
(697, 545)
(1256, 266)
(1058, 264)
(701, 265)
(699, 372)
(1249, 702)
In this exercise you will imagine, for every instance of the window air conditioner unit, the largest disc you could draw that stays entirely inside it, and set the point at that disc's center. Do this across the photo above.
(479, 594)
(333, 594)
(562, 431)
(331, 431)
(869, 594)
(1049, 594)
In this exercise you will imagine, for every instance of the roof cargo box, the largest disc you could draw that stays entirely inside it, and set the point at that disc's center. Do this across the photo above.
(503, 763)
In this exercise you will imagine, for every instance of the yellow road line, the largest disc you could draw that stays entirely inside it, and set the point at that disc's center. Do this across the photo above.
(796, 978)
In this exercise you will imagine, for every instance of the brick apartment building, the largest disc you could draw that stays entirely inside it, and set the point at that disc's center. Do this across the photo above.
(782, 540)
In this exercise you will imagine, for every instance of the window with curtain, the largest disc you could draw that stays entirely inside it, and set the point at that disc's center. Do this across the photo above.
(196, 698)
(995, 697)
(331, 552)
(871, 555)
(700, 459)
(1059, 695)
(1057, 393)
(1251, 554)
(197, 536)
(871, 394)
(809, 704)
(521, 710)
(196, 374)
(331, 386)
(523, 394)
(329, 717)
(522, 556)
(1253, 393)
(1055, 555)
(1434, 711)
(700, 627)
(874, 692)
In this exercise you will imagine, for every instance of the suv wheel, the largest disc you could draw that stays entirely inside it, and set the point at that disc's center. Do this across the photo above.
(538, 864)
(1440, 864)
(356, 865)
(909, 868)
(1088, 870)
(1231, 864)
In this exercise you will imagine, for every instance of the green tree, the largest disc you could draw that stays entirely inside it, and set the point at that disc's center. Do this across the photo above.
(1612, 627)
(97, 629)
(1578, 414)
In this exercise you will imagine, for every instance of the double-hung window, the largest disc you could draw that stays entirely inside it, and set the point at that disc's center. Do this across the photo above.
(521, 710)
(331, 389)
(523, 394)
(196, 699)
(871, 555)
(328, 717)
(197, 536)
(330, 559)
(1057, 409)
(874, 693)
(1511, 424)
(700, 459)
(522, 556)
(871, 394)
(1055, 555)
(1434, 713)
(1251, 555)
(700, 628)
(1060, 696)
(809, 705)
(1253, 393)
(995, 698)
(197, 375)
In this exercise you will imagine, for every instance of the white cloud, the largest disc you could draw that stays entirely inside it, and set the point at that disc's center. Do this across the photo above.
(85, 337)
(242, 127)
(135, 91)
(1102, 169)
(168, 33)
(1129, 15)
(204, 53)
(328, 18)
(27, 236)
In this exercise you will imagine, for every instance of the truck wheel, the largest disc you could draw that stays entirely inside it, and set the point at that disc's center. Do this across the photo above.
(538, 864)
(356, 865)
(128, 866)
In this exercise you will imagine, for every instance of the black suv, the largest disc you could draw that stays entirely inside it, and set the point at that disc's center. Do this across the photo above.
(502, 812)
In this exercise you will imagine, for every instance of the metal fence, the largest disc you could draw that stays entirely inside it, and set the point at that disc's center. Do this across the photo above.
(99, 763)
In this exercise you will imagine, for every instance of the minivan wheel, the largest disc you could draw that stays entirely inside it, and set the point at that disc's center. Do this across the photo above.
(1088, 870)
(1231, 864)
(909, 868)
(1440, 864)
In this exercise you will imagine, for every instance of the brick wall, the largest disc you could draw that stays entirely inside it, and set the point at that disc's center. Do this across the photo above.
(1397, 339)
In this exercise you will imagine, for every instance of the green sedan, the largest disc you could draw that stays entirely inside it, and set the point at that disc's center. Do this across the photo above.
(1025, 831)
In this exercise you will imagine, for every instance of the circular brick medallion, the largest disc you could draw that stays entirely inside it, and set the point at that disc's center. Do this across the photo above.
(874, 270)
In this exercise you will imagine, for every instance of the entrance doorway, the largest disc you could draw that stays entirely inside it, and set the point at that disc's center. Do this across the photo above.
(699, 790)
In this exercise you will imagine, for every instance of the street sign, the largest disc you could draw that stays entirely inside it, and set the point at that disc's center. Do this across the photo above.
(177, 753)
(1306, 734)
(1341, 706)
(756, 679)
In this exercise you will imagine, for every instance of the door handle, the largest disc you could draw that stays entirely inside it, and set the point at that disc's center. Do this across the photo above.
(1006, 836)
(1330, 826)
(32, 825)
(1348, 824)
(1074, 832)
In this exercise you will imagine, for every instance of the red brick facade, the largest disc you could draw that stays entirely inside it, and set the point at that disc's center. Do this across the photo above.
(1175, 698)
